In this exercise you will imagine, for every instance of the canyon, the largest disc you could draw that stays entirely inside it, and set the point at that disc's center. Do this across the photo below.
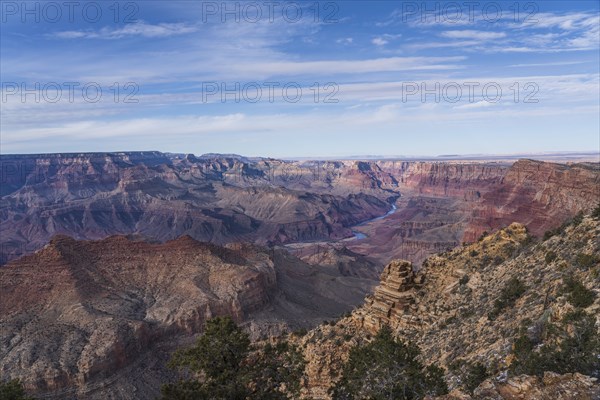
(110, 261)
(79, 315)
(226, 198)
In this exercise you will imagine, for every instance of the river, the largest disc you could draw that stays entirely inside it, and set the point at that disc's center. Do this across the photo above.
(360, 235)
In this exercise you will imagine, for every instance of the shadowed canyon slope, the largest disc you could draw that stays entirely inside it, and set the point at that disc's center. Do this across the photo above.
(223, 199)
(79, 315)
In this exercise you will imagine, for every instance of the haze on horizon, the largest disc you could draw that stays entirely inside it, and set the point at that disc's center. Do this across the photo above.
(389, 79)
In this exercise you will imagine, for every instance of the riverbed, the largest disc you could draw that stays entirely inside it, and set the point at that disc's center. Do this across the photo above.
(360, 235)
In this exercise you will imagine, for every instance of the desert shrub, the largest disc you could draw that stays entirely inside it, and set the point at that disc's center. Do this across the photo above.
(572, 345)
(474, 376)
(456, 365)
(13, 390)
(556, 231)
(577, 219)
(585, 261)
(529, 241)
(578, 295)
(510, 293)
(550, 256)
(483, 235)
(387, 368)
(596, 212)
(346, 314)
(223, 365)
(473, 253)
(300, 332)
(467, 313)
(450, 320)
(486, 260)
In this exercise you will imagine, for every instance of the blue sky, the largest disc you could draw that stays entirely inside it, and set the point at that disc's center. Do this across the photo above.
(392, 77)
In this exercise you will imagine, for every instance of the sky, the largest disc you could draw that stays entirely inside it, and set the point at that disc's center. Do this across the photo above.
(300, 79)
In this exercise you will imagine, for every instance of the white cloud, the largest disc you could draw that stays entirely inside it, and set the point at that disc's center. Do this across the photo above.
(389, 64)
(539, 32)
(347, 40)
(135, 29)
(379, 41)
(284, 128)
(472, 34)
(567, 91)
(478, 104)
(567, 22)
(546, 64)
(384, 39)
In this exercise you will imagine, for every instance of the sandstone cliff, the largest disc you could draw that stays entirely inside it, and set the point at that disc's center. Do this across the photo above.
(446, 204)
(538, 195)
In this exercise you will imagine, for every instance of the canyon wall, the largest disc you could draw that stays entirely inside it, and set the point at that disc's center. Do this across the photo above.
(94, 319)
(446, 204)
(160, 197)
(225, 198)
(537, 194)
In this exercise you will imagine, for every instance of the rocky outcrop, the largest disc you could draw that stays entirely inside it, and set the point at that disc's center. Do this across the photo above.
(338, 257)
(162, 197)
(524, 387)
(446, 179)
(421, 226)
(394, 299)
(445, 204)
(76, 311)
(445, 308)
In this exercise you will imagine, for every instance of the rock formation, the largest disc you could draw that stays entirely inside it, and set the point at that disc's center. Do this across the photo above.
(524, 387)
(394, 299)
(445, 308)
(161, 197)
(227, 198)
(95, 319)
(538, 195)
(446, 204)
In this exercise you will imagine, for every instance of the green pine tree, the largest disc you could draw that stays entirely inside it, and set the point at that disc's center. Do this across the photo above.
(387, 368)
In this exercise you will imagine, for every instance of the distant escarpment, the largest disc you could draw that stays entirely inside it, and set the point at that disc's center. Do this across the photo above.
(537, 194)
(446, 204)
(91, 319)
(440, 179)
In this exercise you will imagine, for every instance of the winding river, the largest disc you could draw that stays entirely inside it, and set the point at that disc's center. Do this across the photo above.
(360, 235)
